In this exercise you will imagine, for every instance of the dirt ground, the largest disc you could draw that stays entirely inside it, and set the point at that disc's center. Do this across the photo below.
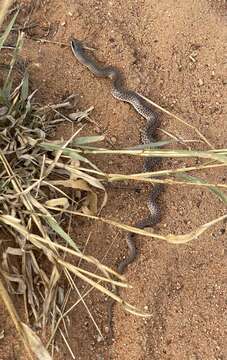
(171, 51)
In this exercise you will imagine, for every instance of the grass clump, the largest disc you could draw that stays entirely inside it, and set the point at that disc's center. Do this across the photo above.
(33, 179)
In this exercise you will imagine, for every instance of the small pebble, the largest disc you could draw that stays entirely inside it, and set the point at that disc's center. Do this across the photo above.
(200, 82)
(178, 286)
(113, 139)
(107, 329)
(99, 338)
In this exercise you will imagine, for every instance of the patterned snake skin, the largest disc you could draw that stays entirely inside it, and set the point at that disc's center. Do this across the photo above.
(142, 107)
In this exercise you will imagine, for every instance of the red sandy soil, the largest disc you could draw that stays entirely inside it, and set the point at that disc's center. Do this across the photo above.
(171, 51)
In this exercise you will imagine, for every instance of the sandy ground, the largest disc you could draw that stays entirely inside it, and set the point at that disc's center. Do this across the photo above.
(171, 51)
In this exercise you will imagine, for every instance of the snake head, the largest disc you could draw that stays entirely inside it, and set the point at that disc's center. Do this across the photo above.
(76, 45)
(79, 46)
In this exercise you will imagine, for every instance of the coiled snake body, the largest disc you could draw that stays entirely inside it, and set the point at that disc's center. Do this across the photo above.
(142, 107)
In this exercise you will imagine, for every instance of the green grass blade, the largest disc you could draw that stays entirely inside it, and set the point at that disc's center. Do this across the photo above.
(72, 153)
(87, 140)
(153, 145)
(7, 31)
(24, 87)
(14, 58)
(58, 230)
(5, 93)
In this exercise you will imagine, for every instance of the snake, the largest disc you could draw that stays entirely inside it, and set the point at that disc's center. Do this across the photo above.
(142, 107)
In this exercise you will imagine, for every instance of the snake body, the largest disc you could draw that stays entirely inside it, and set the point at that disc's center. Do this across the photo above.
(143, 108)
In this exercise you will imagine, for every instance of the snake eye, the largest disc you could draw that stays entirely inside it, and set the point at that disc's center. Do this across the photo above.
(72, 43)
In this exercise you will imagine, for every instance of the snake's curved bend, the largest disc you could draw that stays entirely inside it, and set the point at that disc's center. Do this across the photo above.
(143, 108)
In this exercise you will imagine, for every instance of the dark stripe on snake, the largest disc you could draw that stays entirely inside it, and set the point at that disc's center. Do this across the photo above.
(143, 108)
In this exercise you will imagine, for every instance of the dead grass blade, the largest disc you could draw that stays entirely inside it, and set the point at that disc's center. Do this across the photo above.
(5, 4)
(31, 341)
(211, 155)
(193, 179)
(167, 181)
(71, 153)
(41, 242)
(220, 156)
(175, 239)
(183, 239)
(80, 184)
(35, 344)
(179, 119)
(74, 269)
(167, 172)
(53, 224)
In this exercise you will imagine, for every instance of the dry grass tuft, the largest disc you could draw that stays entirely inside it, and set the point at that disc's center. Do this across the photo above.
(31, 180)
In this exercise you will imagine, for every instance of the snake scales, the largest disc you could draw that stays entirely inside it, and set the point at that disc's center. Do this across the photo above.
(142, 107)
